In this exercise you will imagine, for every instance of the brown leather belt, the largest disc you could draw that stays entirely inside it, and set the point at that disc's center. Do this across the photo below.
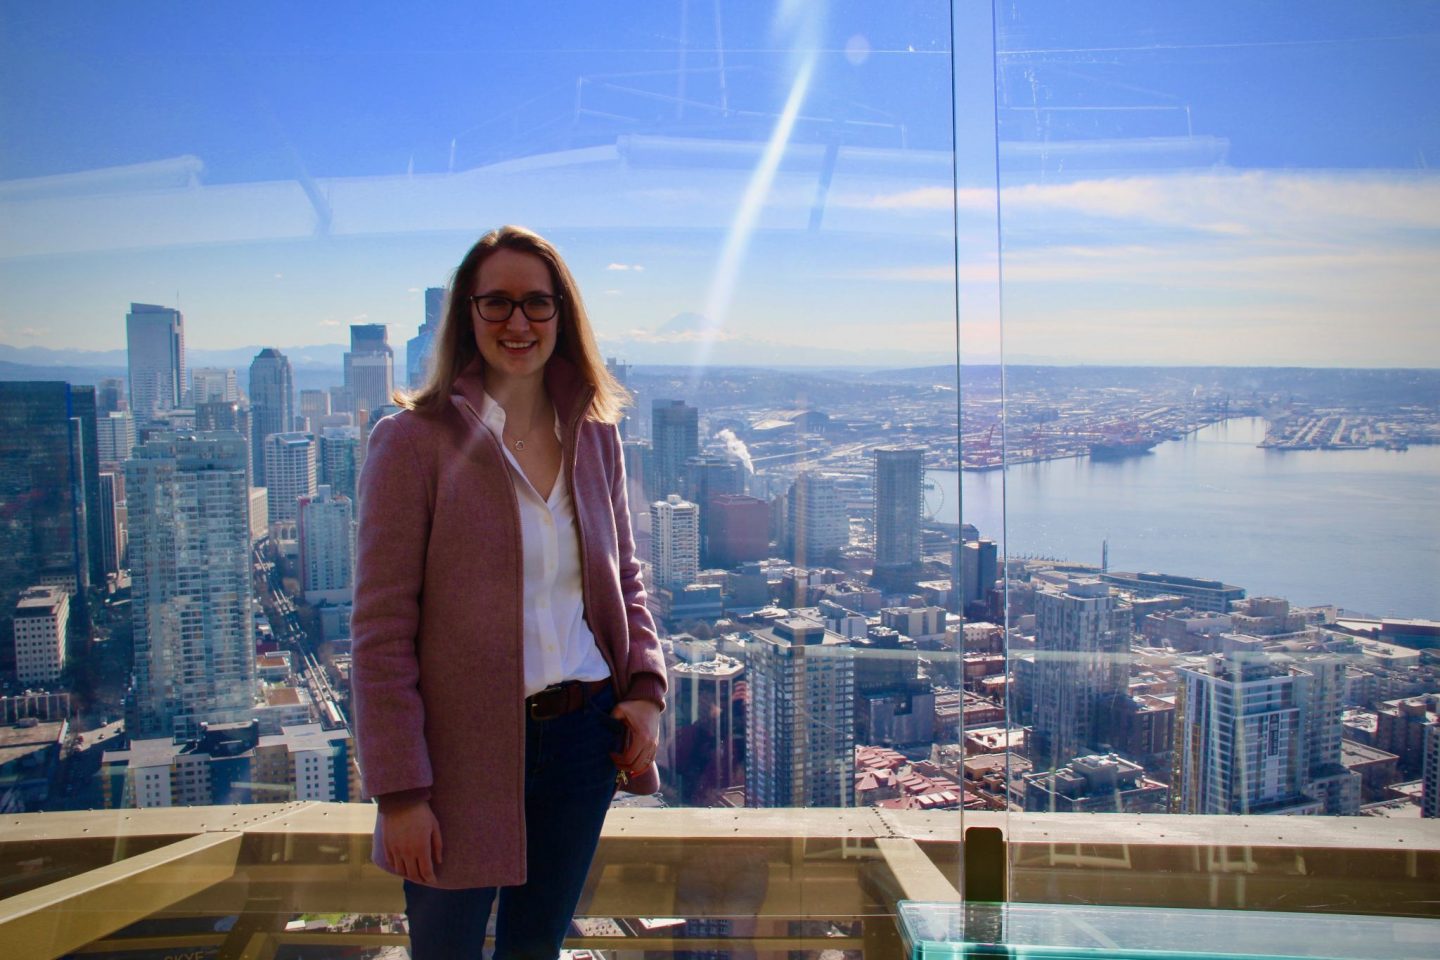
(559, 699)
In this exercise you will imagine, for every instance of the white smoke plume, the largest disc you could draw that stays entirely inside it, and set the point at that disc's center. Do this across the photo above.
(737, 448)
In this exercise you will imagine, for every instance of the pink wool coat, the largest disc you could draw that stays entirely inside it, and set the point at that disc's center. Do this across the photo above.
(438, 696)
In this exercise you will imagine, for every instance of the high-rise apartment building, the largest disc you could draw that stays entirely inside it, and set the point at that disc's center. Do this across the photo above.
(1238, 746)
(326, 531)
(899, 507)
(155, 349)
(290, 473)
(272, 405)
(213, 385)
(674, 438)
(191, 592)
(339, 459)
(228, 416)
(49, 488)
(42, 619)
(1082, 665)
(420, 349)
(817, 527)
(674, 542)
(110, 396)
(369, 367)
(800, 742)
(1430, 788)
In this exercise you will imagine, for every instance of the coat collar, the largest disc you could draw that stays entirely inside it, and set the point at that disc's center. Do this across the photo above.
(567, 389)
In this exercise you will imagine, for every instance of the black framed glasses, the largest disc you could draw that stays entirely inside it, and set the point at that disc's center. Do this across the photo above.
(494, 308)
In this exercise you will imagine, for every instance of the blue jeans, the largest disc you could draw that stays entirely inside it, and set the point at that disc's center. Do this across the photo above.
(569, 782)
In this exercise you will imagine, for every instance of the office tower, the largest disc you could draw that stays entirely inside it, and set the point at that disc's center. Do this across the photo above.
(979, 566)
(272, 405)
(705, 726)
(114, 436)
(232, 416)
(817, 527)
(674, 542)
(191, 592)
(155, 346)
(289, 472)
(1082, 654)
(369, 367)
(42, 617)
(800, 743)
(340, 459)
(108, 518)
(707, 477)
(327, 547)
(899, 507)
(637, 468)
(739, 530)
(110, 396)
(314, 404)
(420, 349)
(49, 487)
(213, 385)
(674, 438)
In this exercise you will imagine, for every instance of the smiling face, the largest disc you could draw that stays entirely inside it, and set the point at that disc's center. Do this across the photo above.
(518, 348)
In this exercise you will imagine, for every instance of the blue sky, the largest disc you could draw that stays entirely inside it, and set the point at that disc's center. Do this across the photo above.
(1178, 183)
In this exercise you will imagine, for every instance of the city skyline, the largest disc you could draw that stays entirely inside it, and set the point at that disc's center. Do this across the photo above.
(1166, 190)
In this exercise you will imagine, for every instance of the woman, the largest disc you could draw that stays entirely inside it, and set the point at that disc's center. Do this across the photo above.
(506, 671)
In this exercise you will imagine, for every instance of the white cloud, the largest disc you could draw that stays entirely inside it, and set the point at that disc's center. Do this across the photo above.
(637, 267)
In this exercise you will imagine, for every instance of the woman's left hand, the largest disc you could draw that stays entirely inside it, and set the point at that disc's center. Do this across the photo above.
(642, 721)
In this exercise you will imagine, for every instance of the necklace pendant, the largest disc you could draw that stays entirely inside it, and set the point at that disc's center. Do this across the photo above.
(519, 445)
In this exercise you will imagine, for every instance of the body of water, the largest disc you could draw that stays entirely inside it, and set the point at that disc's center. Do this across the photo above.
(1356, 528)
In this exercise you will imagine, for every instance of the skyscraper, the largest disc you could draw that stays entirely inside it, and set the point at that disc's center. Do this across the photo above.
(213, 385)
(232, 416)
(290, 473)
(1238, 746)
(674, 438)
(327, 547)
(49, 488)
(369, 367)
(314, 404)
(816, 525)
(739, 530)
(191, 594)
(800, 745)
(339, 459)
(979, 566)
(706, 477)
(114, 436)
(155, 348)
(272, 404)
(1082, 664)
(674, 542)
(419, 349)
(899, 506)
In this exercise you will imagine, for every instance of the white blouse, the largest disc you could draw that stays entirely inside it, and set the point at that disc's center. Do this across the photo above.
(558, 644)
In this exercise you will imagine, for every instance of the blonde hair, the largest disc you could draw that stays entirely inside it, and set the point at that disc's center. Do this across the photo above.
(574, 340)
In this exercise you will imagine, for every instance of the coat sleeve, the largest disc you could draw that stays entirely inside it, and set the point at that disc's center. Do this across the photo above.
(391, 543)
(646, 661)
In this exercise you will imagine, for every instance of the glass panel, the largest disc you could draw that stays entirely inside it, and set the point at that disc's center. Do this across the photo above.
(1220, 408)
(255, 222)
